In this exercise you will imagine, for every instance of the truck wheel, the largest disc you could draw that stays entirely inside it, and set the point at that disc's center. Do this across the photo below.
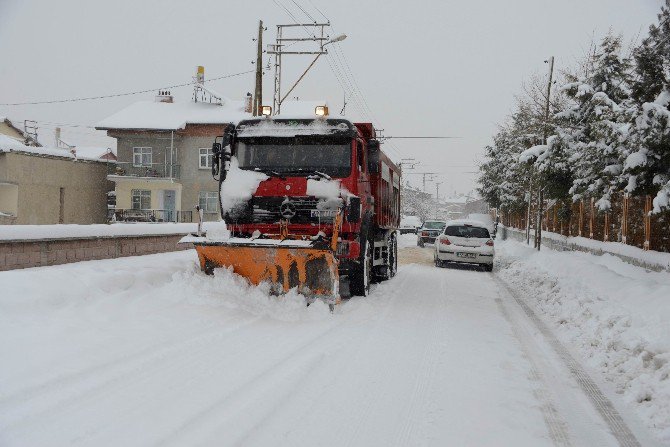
(362, 272)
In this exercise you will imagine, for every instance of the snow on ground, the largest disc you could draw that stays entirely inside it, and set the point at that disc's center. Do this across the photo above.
(30, 232)
(149, 351)
(617, 315)
(406, 240)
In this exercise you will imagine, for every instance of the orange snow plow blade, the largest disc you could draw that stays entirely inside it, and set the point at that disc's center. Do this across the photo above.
(285, 264)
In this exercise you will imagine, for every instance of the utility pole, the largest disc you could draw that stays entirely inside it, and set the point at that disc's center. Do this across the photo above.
(424, 174)
(258, 91)
(437, 191)
(317, 33)
(545, 132)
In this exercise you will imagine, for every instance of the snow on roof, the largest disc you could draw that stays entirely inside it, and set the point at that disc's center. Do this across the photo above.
(9, 144)
(93, 151)
(173, 115)
(473, 222)
(462, 199)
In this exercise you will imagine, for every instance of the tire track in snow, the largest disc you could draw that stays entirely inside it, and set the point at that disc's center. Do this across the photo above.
(555, 424)
(196, 421)
(364, 411)
(63, 392)
(618, 427)
(429, 360)
(145, 355)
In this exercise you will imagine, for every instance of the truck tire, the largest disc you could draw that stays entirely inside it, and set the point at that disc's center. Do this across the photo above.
(389, 270)
(393, 264)
(361, 275)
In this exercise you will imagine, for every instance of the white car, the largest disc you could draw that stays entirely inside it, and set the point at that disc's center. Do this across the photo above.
(465, 241)
(409, 224)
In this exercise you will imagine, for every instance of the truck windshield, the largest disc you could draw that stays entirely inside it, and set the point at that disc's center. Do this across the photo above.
(332, 159)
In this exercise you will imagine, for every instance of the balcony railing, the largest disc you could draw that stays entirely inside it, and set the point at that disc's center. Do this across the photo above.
(130, 215)
(154, 170)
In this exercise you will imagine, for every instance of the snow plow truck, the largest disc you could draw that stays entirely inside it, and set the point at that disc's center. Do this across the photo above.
(311, 203)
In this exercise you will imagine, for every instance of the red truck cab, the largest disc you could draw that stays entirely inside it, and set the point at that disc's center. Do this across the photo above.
(313, 169)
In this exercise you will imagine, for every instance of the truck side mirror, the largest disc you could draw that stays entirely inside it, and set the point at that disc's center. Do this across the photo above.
(354, 211)
(373, 156)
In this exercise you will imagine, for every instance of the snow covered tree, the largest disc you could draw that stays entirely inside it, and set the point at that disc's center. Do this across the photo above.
(647, 162)
(592, 131)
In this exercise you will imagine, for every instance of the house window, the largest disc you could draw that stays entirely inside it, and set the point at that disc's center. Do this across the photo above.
(141, 199)
(142, 156)
(205, 157)
(208, 201)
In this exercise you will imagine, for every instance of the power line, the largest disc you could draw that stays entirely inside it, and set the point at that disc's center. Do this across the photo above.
(90, 98)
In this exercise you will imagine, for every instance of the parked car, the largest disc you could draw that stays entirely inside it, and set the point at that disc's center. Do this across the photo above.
(410, 224)
(465, 241)
(429, 231)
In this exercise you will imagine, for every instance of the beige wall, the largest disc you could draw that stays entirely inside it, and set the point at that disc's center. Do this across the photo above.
(125, 185)
(40, 179)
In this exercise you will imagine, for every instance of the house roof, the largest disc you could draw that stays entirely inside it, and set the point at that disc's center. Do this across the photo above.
(151, 115)
(93, 151)
(9, 144)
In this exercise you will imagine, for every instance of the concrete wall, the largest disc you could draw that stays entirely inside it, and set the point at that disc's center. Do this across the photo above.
(40, 180)
(25, 254)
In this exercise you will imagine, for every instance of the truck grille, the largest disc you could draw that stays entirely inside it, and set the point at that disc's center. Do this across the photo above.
(267, 210)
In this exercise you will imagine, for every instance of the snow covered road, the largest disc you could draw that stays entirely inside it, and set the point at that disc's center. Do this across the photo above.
(149, 351)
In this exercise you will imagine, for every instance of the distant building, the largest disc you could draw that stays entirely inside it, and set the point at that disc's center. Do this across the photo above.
(12, 130)
(41, 185)
(164, 156)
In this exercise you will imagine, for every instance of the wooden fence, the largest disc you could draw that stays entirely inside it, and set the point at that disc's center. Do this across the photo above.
(629, 221)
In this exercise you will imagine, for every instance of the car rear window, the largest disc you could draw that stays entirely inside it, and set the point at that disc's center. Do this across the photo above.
(433, 225)
(467, 231)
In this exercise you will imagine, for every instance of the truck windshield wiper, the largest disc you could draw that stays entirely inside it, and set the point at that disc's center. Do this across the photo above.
(271, 173)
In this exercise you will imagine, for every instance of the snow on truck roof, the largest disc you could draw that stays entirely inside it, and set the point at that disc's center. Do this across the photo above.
(151, 115)
(283, 126)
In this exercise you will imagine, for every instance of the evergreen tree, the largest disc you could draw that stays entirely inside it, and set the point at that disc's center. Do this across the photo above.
(591, 132)
(647, 160)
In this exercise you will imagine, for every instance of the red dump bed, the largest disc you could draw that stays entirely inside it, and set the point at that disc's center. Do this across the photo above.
(386, 191)
(385, 186)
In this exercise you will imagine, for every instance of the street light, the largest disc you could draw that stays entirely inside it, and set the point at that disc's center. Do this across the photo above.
(339, 38)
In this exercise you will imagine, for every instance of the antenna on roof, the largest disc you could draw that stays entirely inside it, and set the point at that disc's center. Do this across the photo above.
(202, 93)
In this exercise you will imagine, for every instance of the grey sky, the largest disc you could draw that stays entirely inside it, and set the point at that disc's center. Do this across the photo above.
(433, 67)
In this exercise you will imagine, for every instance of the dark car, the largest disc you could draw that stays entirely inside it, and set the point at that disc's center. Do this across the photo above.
(430, 230)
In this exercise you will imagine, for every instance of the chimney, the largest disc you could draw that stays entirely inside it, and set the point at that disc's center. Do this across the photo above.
(200, 76)
(247, 103)
(164, 96)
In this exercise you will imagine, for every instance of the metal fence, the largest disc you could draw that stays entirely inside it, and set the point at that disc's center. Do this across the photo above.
(154, 170)
(629, 221)
(130, 215)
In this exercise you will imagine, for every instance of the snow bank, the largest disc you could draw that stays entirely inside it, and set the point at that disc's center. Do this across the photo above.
(651, 259)
(30, 232)
(239, 186)
(614, 313)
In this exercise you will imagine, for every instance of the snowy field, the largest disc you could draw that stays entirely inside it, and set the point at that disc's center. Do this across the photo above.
(149, 351)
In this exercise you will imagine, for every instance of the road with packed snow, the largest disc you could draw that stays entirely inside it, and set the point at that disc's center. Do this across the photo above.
(148, 351)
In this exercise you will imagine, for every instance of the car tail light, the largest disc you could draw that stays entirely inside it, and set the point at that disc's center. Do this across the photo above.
(489, 242)
(424, 233)
(445, 241)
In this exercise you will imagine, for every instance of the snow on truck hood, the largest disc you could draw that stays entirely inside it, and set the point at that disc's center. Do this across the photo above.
(291, 127)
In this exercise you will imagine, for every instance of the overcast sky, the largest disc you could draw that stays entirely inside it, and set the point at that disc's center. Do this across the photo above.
(424, 67)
